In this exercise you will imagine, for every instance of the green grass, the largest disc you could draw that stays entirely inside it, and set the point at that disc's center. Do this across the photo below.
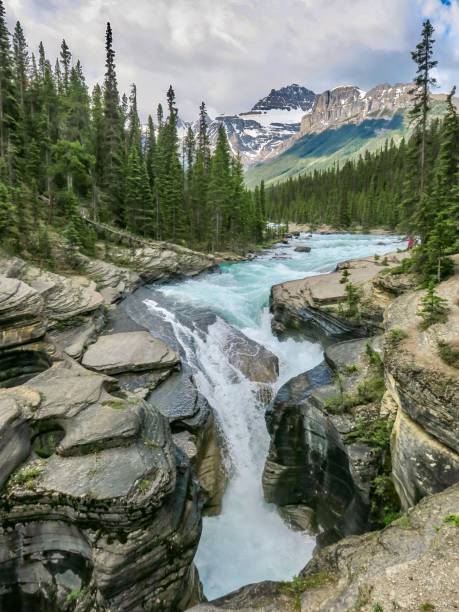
(452, 519)
(115, 404)
(395, 336)
(300, 584)
(28, 475)
(448, 354)
(144, 485)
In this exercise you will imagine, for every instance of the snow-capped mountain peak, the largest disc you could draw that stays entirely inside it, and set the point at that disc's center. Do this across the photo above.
(257, 133)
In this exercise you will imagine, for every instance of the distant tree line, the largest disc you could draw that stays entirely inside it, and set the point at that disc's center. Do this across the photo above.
(62, 148)
(413, 187)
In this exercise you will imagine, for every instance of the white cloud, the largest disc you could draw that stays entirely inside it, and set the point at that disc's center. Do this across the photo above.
(232, 52)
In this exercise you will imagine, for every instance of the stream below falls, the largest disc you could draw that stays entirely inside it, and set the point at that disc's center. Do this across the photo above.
(248, 542)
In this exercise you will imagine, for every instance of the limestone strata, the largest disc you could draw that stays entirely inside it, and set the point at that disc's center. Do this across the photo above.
(98, 503)
(407, 566)
(313, 458)
(312, 304)
(64, 297)
(21, 313)
(425, 443)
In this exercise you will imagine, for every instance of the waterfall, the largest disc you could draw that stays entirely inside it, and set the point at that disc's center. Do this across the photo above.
(248, 541)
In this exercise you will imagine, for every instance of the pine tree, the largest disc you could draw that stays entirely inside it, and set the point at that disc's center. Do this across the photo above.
(440, 227)
(199, 191)
(66, 62)
(112, 181)
(219, 189)
(6, 211)
(170, 177)
(423, 81)
(138, 195)
(21, 64)
(8, 102)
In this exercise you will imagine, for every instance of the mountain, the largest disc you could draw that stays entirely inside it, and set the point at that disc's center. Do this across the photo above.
(258, 133)
(344, 122)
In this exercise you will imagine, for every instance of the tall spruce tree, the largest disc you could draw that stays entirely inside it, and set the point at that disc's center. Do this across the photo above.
(112, 181)
(9, 110)
(423, 82)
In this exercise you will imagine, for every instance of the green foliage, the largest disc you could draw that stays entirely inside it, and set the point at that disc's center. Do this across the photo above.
(144, 485)
(385, 503)
(434, 308)
(27, 475)
(449, 354)
(375, 433)
(452, 519)
(299, 584)
(395, 336)
(344, 276)
(352, 300)
(378, 608)
(426, 606)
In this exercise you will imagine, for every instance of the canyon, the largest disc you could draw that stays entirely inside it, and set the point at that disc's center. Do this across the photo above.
(131, 410)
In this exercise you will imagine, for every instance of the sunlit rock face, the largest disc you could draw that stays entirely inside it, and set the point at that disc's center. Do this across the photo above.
(425, 450)
(350, 104)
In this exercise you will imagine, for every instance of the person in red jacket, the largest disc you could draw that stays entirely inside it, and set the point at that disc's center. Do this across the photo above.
(410, 242)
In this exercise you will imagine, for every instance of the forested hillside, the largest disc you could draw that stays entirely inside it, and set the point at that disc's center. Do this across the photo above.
(63, 148)
(413, 188)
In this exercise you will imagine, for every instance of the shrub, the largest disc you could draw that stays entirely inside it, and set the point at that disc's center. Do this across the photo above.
(385, 503)
(452, 519)
(448, 354)
(433, 309)
(344, 276)
(395, 336)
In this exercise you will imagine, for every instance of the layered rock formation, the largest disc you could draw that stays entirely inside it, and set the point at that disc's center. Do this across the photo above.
(317, 305)
(349, 104)
(317, 432)
(425, 442)
(410, 565)
(99, 508)
(324, 452)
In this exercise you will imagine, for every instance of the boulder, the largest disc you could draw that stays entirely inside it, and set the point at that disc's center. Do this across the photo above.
(129, 352)
(113, 282)
(162, 261)
(421, 465)
(99, 505)
(255, 361)
(303, 249)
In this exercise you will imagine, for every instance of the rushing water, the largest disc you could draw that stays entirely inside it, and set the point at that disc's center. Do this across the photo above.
(248, 541)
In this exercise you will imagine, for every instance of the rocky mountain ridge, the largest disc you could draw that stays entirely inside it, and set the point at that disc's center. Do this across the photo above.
(282, 117)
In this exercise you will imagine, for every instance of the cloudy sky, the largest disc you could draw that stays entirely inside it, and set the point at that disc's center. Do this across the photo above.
(232, 52)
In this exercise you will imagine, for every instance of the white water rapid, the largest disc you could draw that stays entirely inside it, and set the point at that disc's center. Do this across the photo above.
(248, 541)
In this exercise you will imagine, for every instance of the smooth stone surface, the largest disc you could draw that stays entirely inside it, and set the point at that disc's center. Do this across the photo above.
(129, 352)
